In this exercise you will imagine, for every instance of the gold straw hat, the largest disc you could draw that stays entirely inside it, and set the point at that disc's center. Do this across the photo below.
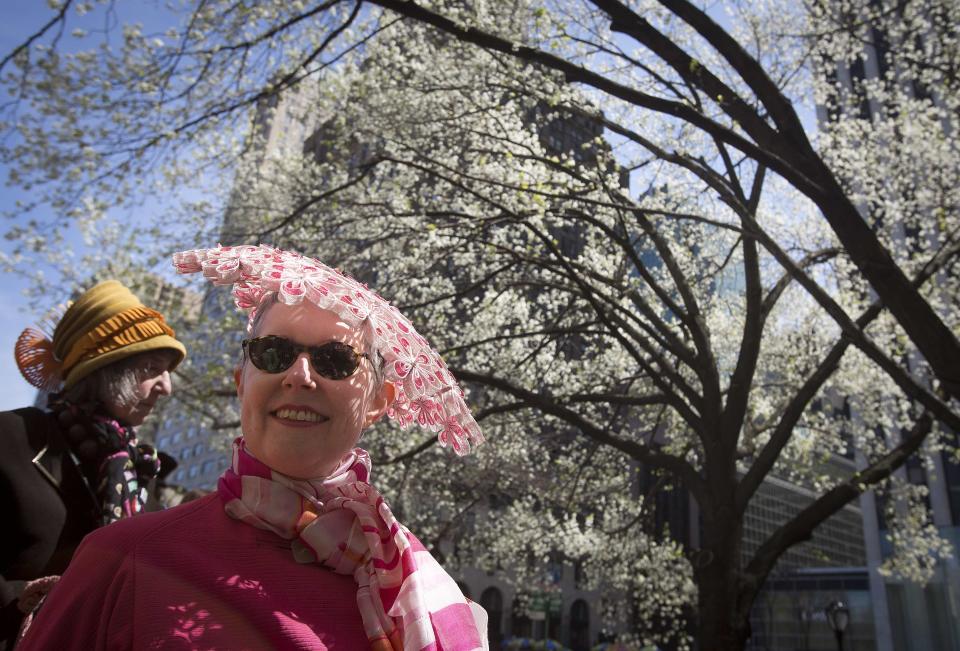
(105, 325)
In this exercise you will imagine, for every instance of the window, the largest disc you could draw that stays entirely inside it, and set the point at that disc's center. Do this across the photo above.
(184, 454)
(198, 449)
(208, 466)
(579, 574)
(555, 568)
(194, 471)
(492, 602)
(580, 625)
(162, 441)
(520, 624)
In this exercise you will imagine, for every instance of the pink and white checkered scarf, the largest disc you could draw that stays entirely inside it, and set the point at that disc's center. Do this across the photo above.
(407, 601)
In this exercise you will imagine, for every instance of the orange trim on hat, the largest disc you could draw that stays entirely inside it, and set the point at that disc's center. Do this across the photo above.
(124, 328)
(36, 360)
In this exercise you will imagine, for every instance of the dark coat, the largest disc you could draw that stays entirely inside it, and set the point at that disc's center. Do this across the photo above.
(45, 505)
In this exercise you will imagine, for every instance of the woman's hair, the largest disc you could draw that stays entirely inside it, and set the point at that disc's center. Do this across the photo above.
(376, 359)
(121, 379)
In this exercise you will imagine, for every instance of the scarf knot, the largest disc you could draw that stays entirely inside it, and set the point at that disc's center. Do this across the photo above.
(406, 600)
(114, 466)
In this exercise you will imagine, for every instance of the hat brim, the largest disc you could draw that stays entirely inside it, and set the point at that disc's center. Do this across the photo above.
(85, 368)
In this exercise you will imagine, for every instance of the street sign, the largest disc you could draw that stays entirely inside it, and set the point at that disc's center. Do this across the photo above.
(542, 603)
(554, 603)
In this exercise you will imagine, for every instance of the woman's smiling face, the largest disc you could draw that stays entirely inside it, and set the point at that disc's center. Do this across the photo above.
(296, 421)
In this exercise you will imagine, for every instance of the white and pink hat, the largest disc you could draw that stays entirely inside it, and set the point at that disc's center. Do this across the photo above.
(427, 393)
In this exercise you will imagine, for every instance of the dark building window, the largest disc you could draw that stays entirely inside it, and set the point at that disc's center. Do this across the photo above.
(580, 625)
(951, 477)
(671, 514)
(520, 623)
(579, 574)
(492, 602)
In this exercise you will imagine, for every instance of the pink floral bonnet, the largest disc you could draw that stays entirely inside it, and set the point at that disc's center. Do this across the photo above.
(427, 393)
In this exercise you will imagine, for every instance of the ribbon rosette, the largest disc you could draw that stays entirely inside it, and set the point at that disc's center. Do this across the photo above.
(247, 296)
(186, 262)
(291, 291)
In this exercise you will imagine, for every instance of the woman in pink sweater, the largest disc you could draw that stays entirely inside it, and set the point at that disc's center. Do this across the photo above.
(296, 550)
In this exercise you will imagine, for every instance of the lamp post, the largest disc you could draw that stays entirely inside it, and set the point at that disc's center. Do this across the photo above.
(838, 615)
(806, 617)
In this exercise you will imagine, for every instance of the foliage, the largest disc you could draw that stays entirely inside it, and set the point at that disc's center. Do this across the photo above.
(712, 321)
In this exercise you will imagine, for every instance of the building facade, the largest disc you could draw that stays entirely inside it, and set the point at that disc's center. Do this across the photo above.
(906, 616)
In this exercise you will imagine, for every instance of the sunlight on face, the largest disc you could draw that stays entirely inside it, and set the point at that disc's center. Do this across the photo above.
(297, 422)
(152, 368)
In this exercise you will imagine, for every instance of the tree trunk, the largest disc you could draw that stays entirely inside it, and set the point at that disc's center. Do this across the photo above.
(724, 623)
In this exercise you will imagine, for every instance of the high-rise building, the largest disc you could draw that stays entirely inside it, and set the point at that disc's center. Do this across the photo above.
(200, 445)
(906, 615)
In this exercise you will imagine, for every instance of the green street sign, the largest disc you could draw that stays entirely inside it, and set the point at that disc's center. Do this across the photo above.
(554, 603)
(545, 602)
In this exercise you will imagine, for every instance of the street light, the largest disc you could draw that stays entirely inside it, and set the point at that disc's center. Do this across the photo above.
(838, 615)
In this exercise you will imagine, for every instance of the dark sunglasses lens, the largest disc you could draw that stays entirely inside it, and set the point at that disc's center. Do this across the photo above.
(335, 360)
(271, 354)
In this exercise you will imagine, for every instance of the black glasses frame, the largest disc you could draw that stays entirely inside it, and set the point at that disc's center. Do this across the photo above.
(334, 360)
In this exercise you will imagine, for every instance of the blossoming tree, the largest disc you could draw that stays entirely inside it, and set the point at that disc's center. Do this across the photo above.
(614, 221)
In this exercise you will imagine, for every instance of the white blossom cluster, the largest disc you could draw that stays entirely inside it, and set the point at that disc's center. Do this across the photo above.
(623, 294)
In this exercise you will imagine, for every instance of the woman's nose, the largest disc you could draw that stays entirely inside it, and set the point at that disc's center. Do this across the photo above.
(164, 384)
(299, 375)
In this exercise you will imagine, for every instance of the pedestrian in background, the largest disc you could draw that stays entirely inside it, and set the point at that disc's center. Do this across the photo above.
(77, 465)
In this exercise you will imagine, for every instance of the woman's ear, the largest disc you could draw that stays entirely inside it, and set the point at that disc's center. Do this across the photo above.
(380, 403)
(238, 380)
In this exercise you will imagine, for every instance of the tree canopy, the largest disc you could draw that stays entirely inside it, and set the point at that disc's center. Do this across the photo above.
(623, 225)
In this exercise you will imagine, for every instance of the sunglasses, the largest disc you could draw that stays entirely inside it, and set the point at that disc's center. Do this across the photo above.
(333, 360)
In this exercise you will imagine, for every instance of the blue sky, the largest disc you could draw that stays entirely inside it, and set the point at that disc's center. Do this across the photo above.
(21, 18)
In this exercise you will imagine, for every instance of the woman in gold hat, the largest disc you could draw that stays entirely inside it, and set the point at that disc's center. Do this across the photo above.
(77, 465)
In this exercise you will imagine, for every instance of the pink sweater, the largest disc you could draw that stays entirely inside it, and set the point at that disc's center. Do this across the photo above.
(193, 578)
